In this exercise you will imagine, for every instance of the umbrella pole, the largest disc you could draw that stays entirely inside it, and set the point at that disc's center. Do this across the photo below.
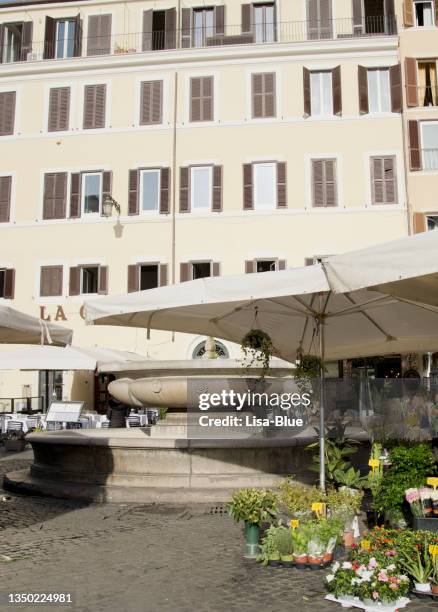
(321, 408)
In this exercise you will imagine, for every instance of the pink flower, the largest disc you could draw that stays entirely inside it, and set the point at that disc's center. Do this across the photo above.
(393, 586)
(412, 495)
(382, 577)
(391, 553)
(375, 595)
(372, 563)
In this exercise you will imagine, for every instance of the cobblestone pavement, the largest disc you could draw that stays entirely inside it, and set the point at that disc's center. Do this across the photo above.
(142, 558)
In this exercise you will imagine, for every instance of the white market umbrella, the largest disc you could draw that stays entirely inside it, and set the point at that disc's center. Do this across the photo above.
(68, 358)
(19, 328)
(296, 307)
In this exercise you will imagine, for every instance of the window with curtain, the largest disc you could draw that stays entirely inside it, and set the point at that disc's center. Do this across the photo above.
(424, 14)
(429, 144)
(265, 185)
(201, 187)
(321, 89)
(427, 83)
(379, 94)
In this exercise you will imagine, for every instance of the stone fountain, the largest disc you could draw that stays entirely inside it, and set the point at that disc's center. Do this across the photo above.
(164, 462)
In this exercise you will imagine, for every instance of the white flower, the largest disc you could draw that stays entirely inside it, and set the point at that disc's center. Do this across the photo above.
(365, 575)
(335, 567)
(390, 568)
(403, 578)
(329, 578)
(346, 565)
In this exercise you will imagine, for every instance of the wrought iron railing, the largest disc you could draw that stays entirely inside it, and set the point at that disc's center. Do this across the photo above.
(145, 42)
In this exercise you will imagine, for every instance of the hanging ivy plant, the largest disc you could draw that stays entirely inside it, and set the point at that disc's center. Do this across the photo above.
(257, 349)
(308, 367)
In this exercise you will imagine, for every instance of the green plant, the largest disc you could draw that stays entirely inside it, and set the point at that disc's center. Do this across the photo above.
(269, 546)
(344, 504)
(350, 478)
(434, 575)
(420, 567)
(329, 528)
(284, 542)
(162, 413)
(253, 505)
(300, 538)
(257, 348)
(411, 464)
(375, 475)
(298, 498)
(336, 457)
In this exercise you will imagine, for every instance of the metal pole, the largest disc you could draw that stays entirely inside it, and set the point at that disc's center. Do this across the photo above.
(321, 324)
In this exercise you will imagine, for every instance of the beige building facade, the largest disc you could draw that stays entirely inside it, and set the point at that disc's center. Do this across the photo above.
(234, 137)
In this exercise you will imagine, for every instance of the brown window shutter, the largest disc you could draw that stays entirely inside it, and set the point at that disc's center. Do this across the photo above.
(184, 272)
(248, 200)
(281, 185)
(281, 264)
(337, 91)
(207, 99)
(324, 183)
(411, 81)
(186, 23)
(163, 275)
(270, 92)
(217, 189)
(5, 198)
(307, 94)
(201, 99)
(390, 179)
(419, 223)
(362, 74)
(103, 280)
(94, 106)
(195, 99)
(133, 278)
(436, 13)
(263, 95)
(184, 190)
(75, 281)
(59, 109)
(49, 38)
(357, 17)
(133, 206)
(257, 95)
(414, 145)
(249, 266)
(219, 20)
(99, 35)
(107, 180)
(55, 195)
(164, 191)
(170, 29)
(2, 38)
(383, 180)
(7, 112)
(9, 284)
(216, 268)
(396, 88)
(408, 13)
(51, 281)
(151, 102)
(377, 182)
(26, 40)
(146, 38)
(309, 261)
(75, 195)
(246, 18)
(77, 49)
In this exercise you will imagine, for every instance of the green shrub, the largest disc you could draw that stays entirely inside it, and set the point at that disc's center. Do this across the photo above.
(253, 505)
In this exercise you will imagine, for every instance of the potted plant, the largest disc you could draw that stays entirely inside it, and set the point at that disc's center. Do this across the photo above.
(15, 441)
(269, 554)
(374, 481)
(434, 577)
(329, 532)
(257, 348)
(344, 505)
(300, 539)
(419, 567)
(284, 543)
(298, 498)
(253, 507)
(315, 552)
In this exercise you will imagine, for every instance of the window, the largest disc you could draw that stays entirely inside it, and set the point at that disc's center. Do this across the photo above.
(150, 190)
(89, 279)
(321, 88)
(263, 95)
(55, 195)
(149, 276)
(2, 282)
(91, 193)
(432, 222)
(264, 22)
(264, 176)
(12, 42)
(319, 19)
(65, 38)
(151, 102)
(51, 281)
(379, 95)
(94, 107)
(221, 350)
(7, 113)
(383, 180)
(424, 14)
(5, 198)
(59, 109)
(429, 144)
(200, 269)
(324, 192)
(201, 99)
(427, 83)
(201, 188)
(265, 265)
(203, 26)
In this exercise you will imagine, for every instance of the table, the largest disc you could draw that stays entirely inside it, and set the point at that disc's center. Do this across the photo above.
(26, 420)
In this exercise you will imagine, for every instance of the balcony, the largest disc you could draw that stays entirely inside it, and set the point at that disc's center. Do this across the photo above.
(146, 42)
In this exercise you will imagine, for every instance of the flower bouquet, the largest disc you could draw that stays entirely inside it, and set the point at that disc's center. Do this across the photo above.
(414, 499)
(371, 584)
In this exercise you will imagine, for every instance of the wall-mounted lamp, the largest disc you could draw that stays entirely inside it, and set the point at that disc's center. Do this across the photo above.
(108, 204)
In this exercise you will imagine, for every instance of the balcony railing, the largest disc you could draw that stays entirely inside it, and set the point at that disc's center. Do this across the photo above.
(427, 95)
(145, 42)
(430, 159)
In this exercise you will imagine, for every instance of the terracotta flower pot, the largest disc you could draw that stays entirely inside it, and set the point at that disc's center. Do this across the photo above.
(435, 589)
(314, 562)
(328, 557)
(348, 539)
